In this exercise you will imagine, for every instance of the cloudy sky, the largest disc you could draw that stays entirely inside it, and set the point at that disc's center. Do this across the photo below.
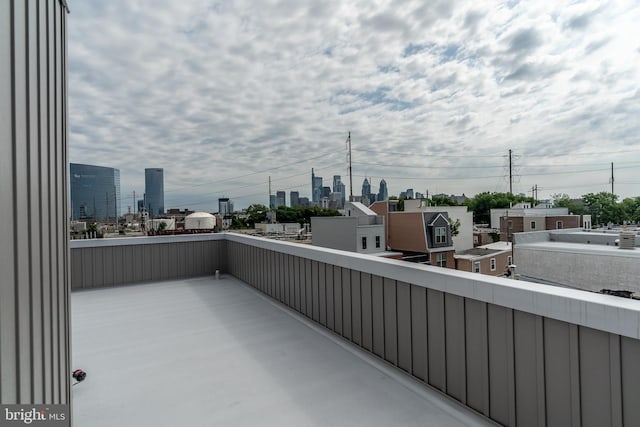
(224, 94)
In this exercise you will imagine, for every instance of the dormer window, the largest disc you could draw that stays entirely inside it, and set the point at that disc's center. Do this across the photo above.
(441, 235)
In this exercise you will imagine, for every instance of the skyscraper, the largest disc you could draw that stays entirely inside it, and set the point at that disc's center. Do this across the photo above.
(383, 192)
(95, 192)
(225, 206)
(366, 188)
(154, 191)
(339, 187)
(366, 192)
(281, 199)
(316, 187)
(294, 198)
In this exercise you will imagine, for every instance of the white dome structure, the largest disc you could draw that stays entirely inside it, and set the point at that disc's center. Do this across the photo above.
(199, 221)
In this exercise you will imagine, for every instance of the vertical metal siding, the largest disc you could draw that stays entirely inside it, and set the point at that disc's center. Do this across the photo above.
(356, 308)
(34, 295)
(455, 347)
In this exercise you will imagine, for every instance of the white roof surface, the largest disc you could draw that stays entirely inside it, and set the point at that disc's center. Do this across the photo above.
(206, 352)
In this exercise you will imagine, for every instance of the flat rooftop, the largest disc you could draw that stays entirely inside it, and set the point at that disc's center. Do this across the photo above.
(204, 352)
(580, 248)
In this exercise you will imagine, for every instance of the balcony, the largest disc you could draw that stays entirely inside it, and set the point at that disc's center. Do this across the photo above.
(302, 335)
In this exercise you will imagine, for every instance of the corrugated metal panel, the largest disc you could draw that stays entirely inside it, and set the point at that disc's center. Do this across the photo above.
(34, 297)
(455, 347)
(356, 308)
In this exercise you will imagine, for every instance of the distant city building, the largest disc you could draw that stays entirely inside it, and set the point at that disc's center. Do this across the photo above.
(294, 198)
(304, 201)
(272, 201)
(95, 192)
(316, 187)
(225, 206)
(154, 191)
(339, 187)
(366, 192)
(140, 205)
(326, 192)
(281, 199)
(409, 193)
(383, 192)
(419, 195)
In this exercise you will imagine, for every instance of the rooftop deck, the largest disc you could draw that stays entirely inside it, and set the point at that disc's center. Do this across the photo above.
(203, 352)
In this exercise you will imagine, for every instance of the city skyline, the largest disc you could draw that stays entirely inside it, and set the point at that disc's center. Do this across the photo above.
(435, 95)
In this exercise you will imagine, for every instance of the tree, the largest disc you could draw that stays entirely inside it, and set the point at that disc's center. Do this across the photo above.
(481, 204)
(562, 200)
(603, 208)
(455, 226)
(443, 201)
(256, 213)
(162, 226)
(630, 209)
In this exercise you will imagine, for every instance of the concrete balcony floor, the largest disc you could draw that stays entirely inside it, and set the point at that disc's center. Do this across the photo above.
(207, 352)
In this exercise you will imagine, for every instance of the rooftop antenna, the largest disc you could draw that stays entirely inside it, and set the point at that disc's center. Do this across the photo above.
(350, 172)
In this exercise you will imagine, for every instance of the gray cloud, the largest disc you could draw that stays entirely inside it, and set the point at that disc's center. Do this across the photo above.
(525, 41)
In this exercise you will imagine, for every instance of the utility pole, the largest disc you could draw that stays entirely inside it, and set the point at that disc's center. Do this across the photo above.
(350, 172)
(510, 174)
(612, 192)
(269, 203)
(135, 207)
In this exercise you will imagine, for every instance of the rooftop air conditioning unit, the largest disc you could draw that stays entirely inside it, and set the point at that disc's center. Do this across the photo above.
(627, 240)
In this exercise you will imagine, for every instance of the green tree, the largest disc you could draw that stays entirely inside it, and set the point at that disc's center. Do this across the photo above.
(443, 201)
(256, 213)
(162, 226)
(562, 200)
(481, 204)
(603, 208)
(630, 209)
(455, 226)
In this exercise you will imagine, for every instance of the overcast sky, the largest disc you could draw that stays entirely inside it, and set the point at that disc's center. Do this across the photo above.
(224, 94)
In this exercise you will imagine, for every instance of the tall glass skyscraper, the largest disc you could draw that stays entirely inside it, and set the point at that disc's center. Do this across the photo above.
(366, 188)
(95, 192)
(154, 191)
(316, 187)
(383, 192)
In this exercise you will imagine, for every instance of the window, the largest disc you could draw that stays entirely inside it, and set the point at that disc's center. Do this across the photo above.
(493, 264)
(377, 241)
(533, 225)
(441, 259)
(441, 235)
(364, 242)
(476, 267)
(558, 225)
